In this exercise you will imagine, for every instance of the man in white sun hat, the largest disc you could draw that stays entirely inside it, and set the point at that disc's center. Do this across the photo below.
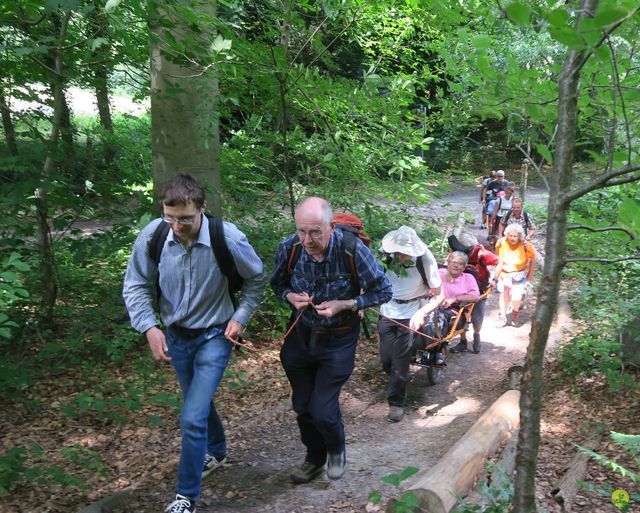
(413, 273)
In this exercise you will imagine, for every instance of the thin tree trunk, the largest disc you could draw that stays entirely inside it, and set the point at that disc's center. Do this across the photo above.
(547, 300)
(184, 107)
(7, 125)
(47, 257)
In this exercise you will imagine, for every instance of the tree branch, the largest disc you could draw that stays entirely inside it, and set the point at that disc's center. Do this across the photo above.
(601, 260)
(605, 229)
(604, 180)
(538, 168)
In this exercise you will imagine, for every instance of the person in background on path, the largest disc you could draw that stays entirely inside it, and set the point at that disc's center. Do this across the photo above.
(318, 355)
(484, 262)
(518, 215)
(500, 208)
(484, 194)
(413, 273)
(199, 318)
(515, 269)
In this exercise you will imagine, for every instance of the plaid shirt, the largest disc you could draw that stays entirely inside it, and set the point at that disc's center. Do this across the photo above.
(330, 279)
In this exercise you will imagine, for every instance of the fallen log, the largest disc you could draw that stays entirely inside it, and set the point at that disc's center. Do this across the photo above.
(565, 491)
(457, 470)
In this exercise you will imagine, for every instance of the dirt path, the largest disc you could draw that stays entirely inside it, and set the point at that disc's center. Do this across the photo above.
(265, 448)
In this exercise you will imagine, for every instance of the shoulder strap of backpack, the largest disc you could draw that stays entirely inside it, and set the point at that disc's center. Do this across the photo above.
(421, 270)
(224, 257)
(155, 250)
(293, 256)
(350, 252)
(507, 216)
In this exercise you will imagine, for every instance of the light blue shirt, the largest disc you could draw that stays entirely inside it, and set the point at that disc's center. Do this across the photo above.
(194, 289)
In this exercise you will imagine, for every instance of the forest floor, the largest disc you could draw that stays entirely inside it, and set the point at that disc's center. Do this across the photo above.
(263, 435)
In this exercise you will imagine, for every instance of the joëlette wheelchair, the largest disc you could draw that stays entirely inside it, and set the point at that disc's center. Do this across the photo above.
(438, 334)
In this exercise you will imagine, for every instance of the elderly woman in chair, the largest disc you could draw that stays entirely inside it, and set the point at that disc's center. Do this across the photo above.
(459, 289)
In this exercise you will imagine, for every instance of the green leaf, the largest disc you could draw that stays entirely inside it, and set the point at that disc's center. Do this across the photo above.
(481, 42)
(519, 13)
(408, 472)
(23, 51)
(609, 15)
(391, 479)
(97, 43)
(544, 151)
(111, 5)
(558, 18)
(375, 497)
(568, 37)
(220, 44)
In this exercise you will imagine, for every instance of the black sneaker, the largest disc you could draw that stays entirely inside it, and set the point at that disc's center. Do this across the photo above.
(337, 465)
(305, 472)
(182, 504)
(211, 463)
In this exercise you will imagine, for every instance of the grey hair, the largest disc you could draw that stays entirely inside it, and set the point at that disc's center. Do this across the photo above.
(459, 254)
(468, 239)
(515, 227)
(325, 209)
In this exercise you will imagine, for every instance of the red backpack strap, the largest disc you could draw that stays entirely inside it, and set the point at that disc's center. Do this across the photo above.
(293, 256)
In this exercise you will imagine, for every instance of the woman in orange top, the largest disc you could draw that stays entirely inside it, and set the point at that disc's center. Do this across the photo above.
(514, 271)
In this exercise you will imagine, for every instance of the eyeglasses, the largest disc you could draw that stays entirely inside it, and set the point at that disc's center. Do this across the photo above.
(184, 221)
(314, 234)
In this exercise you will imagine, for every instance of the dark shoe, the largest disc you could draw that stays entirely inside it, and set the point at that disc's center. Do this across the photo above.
(461, 347)
(476, 343)
(439, 359)
(211, 463)
(515, 318)
(337, 465)
(182, 504)
(306, 472)
(395, 413)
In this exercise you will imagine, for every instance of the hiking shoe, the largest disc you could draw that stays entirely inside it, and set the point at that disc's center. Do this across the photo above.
(482, 226)
(515, 318)
(439, 359)
(182, 504)
(211, 463)
(305, 472)
(395, 413)
(461, 347)
(476, 343)
(337, 465)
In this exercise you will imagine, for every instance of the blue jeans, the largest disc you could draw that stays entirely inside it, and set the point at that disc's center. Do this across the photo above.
(317, 366)
(199, 363)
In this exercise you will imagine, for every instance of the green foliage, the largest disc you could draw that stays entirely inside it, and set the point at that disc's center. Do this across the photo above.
(20, 465)
(631, 445)
(408, 501)
(495, 497)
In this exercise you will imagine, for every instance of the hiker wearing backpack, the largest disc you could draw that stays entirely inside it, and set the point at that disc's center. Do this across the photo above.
(413, 273)
(191, 260)
(484, 262)
(484, 196)
(326, 275)
(519, 216)
(499, 209)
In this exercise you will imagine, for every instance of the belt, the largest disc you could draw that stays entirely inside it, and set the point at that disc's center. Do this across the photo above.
(406, 301)
(193, 332)
(338, 330)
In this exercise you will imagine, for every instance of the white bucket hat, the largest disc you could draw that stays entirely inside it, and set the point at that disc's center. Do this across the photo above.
(404, 240)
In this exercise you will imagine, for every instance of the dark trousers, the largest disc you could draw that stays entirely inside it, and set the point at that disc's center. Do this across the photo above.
(394, 345)
(317, 366)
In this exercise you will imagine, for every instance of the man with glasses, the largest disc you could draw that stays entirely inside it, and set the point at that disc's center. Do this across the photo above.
(199, 319)
(318, 355)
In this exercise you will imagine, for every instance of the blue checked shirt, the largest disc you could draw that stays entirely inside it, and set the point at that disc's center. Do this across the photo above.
(194, 289)
(330, 279)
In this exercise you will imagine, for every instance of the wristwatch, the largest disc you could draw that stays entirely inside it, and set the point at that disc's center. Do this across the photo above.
(354, 306)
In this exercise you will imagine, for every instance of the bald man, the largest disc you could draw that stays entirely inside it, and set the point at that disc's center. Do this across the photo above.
(318, 355)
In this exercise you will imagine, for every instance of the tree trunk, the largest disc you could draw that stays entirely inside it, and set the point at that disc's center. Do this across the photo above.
(547, 300)
(7, 126)
(184, 113)
(47, 257)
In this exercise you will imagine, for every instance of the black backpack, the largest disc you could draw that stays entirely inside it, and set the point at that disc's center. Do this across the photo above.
(524, 214)
(220, 250)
